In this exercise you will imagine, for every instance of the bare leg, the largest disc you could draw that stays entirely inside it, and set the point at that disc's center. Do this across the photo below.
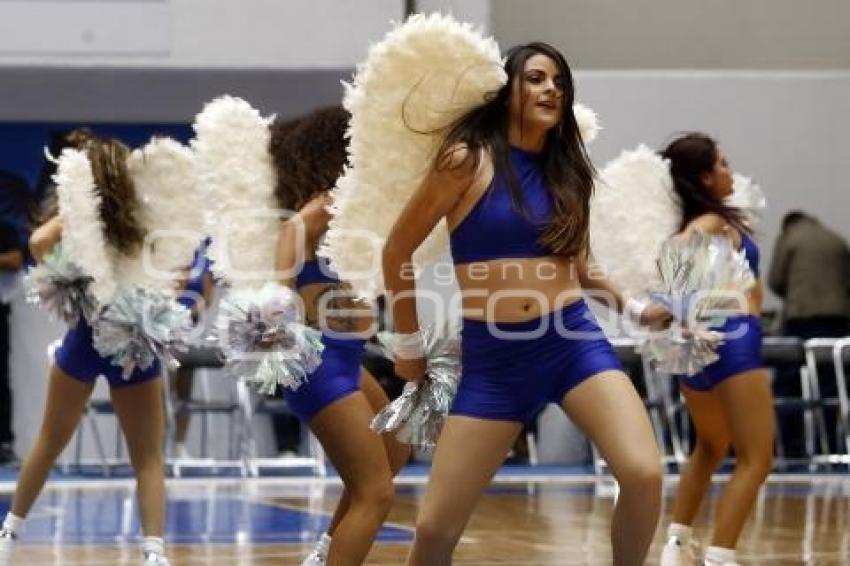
(397, 453)
(607, 408)
(182, 380)
(469, 453)
(66, 401)
(712, 445)
(139, 409)
(360, 458)
(748, 405)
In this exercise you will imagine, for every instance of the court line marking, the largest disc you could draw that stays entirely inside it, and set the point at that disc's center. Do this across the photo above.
(100, 483)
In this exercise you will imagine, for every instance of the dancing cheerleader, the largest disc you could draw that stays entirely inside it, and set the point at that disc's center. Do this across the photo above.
(730, 400)
(513, 181)
(339, 399)
(102, 223)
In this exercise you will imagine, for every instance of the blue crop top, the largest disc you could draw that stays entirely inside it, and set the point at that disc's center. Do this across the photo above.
(495, 229)
(751, 252)
(315, 271)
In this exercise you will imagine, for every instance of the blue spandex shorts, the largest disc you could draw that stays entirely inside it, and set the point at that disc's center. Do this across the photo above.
(511, 370)
(338, 376)
(739, 353)
(78, 358)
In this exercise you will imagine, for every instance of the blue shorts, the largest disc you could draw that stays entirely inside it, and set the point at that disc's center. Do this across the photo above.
(738, 354)
(78, 358)
(511, 374)
(338, 376)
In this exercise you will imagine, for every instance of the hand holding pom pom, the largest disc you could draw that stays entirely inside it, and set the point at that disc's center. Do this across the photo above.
(417, 416)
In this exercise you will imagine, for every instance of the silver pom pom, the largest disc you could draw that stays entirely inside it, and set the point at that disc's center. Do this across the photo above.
(263, 340)
(140, 325)
(417, 415)
(61, 287)
(703, 280)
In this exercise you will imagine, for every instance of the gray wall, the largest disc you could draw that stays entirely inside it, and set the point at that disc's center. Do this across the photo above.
(683, 34)
(192, 33)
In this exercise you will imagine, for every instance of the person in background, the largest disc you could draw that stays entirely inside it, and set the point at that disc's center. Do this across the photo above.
(14, 194)
(810, 272)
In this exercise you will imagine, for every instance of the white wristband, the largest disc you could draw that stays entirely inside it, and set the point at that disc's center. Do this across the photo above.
(409, 346)
(633, 310)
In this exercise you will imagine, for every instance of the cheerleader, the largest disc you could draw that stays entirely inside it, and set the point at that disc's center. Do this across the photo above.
(513, 181)
(729, 401)
(137, 400)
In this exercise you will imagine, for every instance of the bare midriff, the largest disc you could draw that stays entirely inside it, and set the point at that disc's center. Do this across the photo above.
(517, 289)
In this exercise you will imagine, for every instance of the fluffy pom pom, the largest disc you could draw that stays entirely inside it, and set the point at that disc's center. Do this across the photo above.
(62, 288)
(588, 123)
(703, 279)
(417, 416)
(82, 228)
(420, 78)
(263, 339)
(140, 325)
(635, 190)
(165, 180)
(238, 179)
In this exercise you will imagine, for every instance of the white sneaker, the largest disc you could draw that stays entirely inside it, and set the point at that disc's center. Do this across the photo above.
(155, 559)
(715, 563)
(181, 452)
(8, 542)
(319, 555)
(315, 558)
(676, 553)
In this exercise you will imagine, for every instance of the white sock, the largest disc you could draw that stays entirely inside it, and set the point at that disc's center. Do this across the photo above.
(681, 532)
(324, 544)
(719, 555)
(13, 523)
(153, 544)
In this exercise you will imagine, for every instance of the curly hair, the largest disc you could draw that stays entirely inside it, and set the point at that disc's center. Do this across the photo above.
(309, 155)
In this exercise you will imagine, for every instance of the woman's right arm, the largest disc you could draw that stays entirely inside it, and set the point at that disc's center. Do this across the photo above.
(436, 197)
(45, 237)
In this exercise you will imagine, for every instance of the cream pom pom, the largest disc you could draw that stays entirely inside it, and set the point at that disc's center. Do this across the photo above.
(165, 179)
(424, 75)
(633, 210)
(238, 178)
(588, 123)
(83, 238)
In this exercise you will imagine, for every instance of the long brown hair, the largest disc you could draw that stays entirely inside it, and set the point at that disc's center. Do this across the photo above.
(119, 202)
(309, 155)
(565, 164)
(691, 155)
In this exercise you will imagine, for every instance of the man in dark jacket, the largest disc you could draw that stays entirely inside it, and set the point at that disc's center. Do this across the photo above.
(810, 271)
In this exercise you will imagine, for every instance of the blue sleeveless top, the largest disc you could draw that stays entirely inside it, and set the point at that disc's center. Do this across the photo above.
(495, 229)
(195, 283)
(751, 252)
(315, 271)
